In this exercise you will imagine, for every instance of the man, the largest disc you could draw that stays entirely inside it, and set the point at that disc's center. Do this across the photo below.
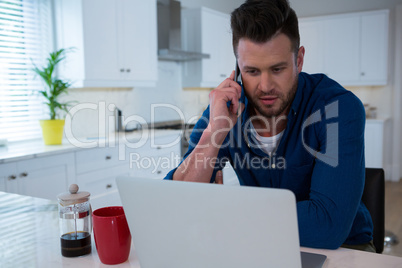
(296, 131)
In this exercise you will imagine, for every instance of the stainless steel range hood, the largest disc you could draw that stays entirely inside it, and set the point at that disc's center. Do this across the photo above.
(169, 33)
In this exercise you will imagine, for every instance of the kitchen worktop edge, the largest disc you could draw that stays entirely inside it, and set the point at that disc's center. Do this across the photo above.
(36, 148)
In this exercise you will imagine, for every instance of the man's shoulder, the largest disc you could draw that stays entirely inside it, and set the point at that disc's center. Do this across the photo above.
(321, 85)
(324, 89)
(333, 100)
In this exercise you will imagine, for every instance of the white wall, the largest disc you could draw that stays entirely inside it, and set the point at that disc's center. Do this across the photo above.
(303, 8)
(397, 97)
(307, 8)
(226, 6)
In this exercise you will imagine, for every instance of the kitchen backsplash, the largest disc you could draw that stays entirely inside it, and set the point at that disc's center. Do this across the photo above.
(93, 114)
(376, 96)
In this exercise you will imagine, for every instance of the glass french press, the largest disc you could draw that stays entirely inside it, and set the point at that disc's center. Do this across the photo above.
(75, 219)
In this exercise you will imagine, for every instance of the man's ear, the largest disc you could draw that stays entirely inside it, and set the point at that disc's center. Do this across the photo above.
(300, 59)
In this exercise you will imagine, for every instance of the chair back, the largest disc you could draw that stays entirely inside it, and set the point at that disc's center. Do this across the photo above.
(374, 199)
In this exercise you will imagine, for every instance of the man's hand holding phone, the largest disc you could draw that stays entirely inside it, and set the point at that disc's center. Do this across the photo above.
(224, 109)
(223, 118)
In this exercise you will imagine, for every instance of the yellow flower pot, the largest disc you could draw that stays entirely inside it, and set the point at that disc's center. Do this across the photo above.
(52, 131)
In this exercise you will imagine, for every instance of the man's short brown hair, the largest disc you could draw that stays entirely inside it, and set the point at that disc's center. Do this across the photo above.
(261, 20)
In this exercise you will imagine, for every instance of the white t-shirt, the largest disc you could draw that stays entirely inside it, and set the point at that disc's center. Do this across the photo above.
(267, 144)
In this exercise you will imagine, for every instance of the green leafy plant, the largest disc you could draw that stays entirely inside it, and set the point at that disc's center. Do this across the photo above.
(54, 86)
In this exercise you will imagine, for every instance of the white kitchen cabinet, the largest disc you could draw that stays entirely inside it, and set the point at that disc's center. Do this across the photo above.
(115, 42)
(313, 42)
(207, 31)
(2, 184)
(43, 177)
(341, 48)
(378, 149)
(374, 48)
(156, 158)
(96, 171)
(93, 159)
(8, 171)
(101, 184)
(350, 48)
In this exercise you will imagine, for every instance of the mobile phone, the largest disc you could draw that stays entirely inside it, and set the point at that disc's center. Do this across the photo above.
(238, 79)
(237, 74)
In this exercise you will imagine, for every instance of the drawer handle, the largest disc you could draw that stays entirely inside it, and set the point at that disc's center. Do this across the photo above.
(12, 177)
(159, 172)
(121, 70)
(108, 186)
(128, 70)
(159, 147)
(24, 174)
(108, 157)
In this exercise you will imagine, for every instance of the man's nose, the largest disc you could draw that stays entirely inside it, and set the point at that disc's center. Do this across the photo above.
(266, 83)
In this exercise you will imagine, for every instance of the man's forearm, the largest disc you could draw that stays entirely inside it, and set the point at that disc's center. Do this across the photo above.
(200, 164)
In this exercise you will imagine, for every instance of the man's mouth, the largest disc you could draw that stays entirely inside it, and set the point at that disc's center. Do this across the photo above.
(268, 100)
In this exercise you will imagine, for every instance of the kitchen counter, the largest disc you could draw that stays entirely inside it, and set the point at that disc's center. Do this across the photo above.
(36, 148)
(29, 237)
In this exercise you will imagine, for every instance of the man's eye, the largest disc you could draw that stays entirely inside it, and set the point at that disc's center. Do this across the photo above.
(252, 72)
(277, 70)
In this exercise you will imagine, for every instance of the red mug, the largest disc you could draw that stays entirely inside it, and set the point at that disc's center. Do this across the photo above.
(112, 235)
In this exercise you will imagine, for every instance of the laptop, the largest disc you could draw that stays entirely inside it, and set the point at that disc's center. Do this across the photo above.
(186, 224)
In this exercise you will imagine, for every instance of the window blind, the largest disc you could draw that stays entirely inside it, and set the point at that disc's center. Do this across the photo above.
(25, 37)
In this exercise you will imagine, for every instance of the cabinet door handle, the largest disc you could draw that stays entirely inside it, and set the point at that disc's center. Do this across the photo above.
(158, 148)
(23, 174)
(128, 70)
(159, 172)
(108, 157)
(108, 186)
(223, 75)
(363, 73)
(12, 177)
(122, 70)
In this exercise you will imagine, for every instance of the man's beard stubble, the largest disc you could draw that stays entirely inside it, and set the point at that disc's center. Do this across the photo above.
(265, 110)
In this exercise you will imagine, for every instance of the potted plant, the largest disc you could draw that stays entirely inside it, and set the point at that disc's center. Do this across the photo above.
(52, 129)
